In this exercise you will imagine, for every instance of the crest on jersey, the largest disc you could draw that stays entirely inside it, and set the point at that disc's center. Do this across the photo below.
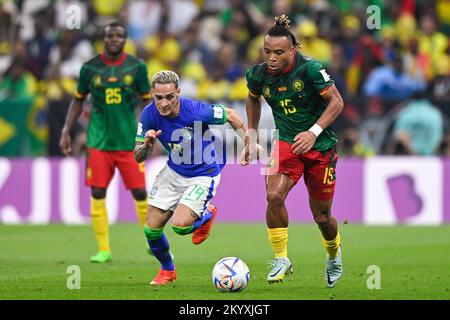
(128, 79)
(187, 134)
(298, 85)
(97, 80)
(266, 92)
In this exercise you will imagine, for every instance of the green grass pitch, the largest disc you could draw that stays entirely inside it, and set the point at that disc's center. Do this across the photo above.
(413, 261)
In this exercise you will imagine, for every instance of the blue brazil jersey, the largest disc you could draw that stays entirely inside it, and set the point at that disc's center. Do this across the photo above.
(186, 137)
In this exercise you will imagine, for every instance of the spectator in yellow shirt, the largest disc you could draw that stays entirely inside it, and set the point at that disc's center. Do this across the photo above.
(431, 41)
(312, 45)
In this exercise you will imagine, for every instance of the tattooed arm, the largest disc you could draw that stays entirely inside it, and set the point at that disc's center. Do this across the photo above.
(143, 149)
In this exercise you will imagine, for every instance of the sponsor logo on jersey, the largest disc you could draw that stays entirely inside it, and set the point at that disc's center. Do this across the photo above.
(266, 92)
(297, 85)
(282, 89)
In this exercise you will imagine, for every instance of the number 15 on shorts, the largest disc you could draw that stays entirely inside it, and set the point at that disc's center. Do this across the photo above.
(329, 176)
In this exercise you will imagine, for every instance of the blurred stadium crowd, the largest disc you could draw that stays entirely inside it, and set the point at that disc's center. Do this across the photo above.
(395, 80)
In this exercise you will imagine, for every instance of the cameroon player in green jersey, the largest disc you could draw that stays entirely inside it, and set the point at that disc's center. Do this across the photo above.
(115, 81)
(304, 103)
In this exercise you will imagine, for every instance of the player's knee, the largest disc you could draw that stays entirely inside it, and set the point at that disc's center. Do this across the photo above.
(275, 198)
(139, 194)
(181, 230)
(153, 233)
(322, 219)
(98, 193)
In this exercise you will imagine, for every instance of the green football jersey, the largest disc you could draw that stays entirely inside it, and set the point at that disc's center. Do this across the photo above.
(114, 89)
(295, 98)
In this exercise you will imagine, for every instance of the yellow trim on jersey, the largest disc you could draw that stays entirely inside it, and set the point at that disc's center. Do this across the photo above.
(79, 95)
(325, 90)
(254, 95)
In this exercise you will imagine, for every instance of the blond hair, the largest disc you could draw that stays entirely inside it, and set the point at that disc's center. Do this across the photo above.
(164, 77)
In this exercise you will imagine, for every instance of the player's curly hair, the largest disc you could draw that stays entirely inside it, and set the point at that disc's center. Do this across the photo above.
(281, 29)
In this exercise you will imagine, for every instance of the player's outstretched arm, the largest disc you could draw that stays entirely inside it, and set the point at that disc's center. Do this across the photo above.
(253, 109)
(143, 149)
(251, 148)
(237, 123)
(75, 109)
(241, 129)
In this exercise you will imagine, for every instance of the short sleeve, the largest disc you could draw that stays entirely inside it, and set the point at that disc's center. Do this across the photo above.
(320, 78)
(142, 83)
(145, 123)
(253, 81)
(211, 113)
(83, 84)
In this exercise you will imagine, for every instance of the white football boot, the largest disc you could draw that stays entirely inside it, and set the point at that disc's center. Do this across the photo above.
(333, 270)
(279, 268)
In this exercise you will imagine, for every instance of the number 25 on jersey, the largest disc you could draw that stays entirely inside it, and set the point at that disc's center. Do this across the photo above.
(113, 96)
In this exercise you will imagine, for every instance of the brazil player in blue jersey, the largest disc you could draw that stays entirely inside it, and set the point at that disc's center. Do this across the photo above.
(184, 188)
